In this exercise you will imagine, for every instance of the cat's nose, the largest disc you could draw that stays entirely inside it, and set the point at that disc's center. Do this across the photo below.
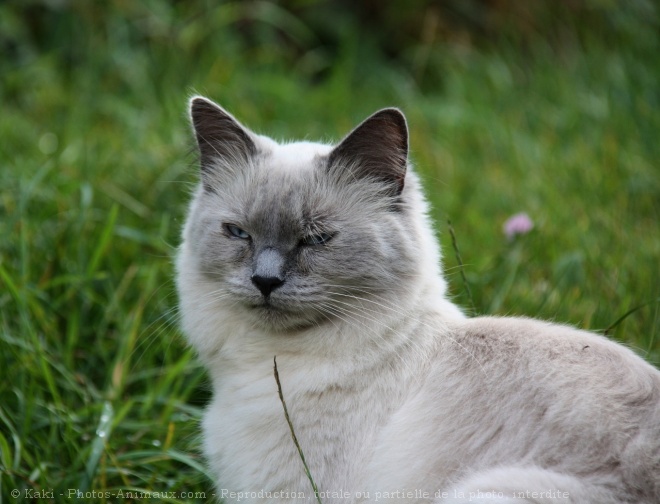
(267, 284)
(268, 270)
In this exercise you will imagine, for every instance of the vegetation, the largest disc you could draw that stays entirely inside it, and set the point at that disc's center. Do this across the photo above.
(552, 111)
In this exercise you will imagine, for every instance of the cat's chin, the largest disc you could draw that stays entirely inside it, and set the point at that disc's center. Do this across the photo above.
(270, 317)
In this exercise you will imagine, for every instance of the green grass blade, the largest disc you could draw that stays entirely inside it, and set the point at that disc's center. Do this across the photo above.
(99, 442)
(466, 284)
(104, 240)
(623, 317)
(293, 433)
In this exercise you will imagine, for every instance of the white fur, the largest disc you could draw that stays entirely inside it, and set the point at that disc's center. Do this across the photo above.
(417, 398)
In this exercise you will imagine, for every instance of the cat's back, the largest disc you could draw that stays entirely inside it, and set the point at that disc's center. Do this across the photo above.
(568, 398)
(584, 373)
(515, 349)
(513, 392)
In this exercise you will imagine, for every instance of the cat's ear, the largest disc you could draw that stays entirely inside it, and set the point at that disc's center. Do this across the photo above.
(376, 149)
(221, 139)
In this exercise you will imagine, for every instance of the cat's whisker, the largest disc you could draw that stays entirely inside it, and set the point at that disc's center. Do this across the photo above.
(398, 312)
(356, 311)
(324, 316)
(350, 318)
(169, 319)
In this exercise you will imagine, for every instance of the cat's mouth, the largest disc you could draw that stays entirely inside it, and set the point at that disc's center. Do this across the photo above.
(265, 304)
(276, 314)
(268, 305)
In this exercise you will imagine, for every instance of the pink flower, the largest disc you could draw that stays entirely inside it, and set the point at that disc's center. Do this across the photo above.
(517, 224)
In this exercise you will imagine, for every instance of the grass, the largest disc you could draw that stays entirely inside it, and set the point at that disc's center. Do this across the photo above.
(98, 391)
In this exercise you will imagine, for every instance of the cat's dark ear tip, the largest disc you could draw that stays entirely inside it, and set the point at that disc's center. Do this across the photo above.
(396, 124)
(203, 109)
(395, 117)
(392, 111)
(198, 102)
(395, 114)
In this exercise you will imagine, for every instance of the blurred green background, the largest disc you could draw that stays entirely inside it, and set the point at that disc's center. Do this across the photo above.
(544, 107)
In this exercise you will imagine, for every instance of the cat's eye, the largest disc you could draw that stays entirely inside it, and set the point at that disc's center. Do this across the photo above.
(237, 232)
(316, 239)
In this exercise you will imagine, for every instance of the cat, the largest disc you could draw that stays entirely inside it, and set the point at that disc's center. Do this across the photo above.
(324, 256)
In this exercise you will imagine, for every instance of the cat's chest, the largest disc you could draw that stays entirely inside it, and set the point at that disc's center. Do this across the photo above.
(249, 404)
(245, 411)
(248, 439)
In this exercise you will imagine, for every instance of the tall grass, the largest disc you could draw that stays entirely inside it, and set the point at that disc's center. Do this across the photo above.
(98, 391)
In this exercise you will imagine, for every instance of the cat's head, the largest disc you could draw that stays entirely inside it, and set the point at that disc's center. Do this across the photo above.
(298, 234)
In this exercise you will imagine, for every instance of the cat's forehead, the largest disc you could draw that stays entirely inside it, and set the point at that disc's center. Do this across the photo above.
(283, 187)
(293, 157)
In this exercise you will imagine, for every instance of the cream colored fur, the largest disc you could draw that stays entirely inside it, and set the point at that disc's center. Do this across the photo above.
(408, 401)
